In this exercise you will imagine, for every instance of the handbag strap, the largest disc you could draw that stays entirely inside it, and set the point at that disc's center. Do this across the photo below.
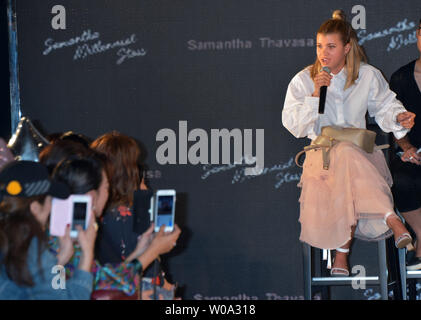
(382, 146)
(326, 151)
(326, 143)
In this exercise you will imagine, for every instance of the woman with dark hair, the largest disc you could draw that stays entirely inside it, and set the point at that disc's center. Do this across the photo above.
(406, 169)
(26, 265)
(116, 280)
(352, 197)
(85, 176)
(117, 237)
(61, 149)
(122, 153)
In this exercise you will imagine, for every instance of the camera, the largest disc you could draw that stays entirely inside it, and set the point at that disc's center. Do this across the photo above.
(149, 207)
(74, 211)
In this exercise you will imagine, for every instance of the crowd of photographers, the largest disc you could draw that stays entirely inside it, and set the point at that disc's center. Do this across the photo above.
(108, 259)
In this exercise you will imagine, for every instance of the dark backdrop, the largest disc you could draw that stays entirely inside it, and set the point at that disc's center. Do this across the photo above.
(241, 233)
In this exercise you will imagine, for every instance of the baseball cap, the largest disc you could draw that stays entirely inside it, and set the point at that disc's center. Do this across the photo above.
(27, 179)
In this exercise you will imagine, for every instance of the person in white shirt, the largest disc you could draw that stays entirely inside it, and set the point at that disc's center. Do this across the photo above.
(352, 198)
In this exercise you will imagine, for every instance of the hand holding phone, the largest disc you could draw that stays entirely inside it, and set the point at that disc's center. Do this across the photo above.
(411, 155)
(66, 248)
(86, 238)
(400, 153)
(164, 210)
(164, 242)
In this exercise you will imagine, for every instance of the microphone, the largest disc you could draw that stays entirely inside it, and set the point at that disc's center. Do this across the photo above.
(323, 90)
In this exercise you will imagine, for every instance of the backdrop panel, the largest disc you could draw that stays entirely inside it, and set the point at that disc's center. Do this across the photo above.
(142, 66)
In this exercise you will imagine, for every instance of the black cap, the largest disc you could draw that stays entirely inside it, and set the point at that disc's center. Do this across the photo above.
(29, 179)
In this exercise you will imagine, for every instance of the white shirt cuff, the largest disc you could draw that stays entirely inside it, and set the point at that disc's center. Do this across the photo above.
(398, 131)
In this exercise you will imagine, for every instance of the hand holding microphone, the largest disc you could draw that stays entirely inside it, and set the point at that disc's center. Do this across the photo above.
(321, 82)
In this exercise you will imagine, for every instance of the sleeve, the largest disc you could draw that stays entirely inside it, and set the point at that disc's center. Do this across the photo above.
(50, 280)
(300, 113)
(384, 107)
(117, 276)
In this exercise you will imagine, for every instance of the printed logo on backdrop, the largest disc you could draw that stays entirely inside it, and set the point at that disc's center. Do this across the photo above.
(372, 294)
(266, 42)
(242, 44)
(244, 296)
(90, 43)
(367, 294)
(283, 173)
(399, 34)
(242, 163)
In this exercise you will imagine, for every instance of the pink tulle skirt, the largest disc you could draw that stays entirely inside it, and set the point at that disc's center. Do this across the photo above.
(355, 190)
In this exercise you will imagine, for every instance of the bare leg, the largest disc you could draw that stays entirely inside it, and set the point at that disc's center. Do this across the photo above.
(341, 258)
(414, 220)
(395, 223)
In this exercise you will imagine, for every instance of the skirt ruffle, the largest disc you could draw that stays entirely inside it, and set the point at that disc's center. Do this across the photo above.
(355, 190)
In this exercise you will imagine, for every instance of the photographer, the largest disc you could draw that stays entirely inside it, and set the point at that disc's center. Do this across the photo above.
(112, 280)
(25, 263)
(117, 237)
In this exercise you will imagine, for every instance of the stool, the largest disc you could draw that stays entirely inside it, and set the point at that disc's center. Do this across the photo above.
(405, 275)
(310, 281)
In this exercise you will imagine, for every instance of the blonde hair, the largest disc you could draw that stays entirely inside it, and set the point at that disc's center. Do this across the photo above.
(355, 56)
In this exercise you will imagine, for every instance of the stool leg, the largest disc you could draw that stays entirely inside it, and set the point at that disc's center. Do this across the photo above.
(382, 269)
(412, 286)
(307, 270)
(402, 269)
(394, 273)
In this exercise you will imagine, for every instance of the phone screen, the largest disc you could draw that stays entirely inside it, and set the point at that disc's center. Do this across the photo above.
(79, 214)
(164, 214)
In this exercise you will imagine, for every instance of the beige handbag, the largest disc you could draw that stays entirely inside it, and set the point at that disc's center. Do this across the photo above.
(331, 135)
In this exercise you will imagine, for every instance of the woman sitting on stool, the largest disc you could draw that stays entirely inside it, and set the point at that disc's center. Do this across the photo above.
(353, 196)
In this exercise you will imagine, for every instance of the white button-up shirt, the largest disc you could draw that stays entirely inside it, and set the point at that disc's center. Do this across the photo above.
(344, 108)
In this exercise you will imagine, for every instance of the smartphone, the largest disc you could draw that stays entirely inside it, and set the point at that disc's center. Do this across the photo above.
(60, 216)
(400, 153)
(75, 210)
(164, 209)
